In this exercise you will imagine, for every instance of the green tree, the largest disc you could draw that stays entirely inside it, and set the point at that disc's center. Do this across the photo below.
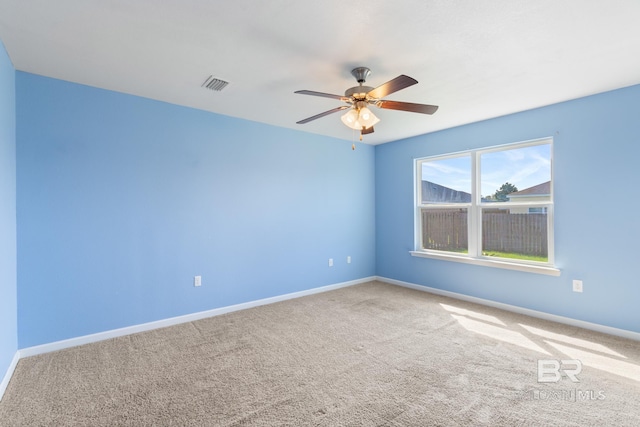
(501, 194)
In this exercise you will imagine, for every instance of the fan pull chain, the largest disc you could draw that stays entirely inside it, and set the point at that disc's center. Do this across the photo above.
(353, 140)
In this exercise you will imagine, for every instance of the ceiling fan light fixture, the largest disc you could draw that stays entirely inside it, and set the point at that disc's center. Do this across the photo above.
(367, 118)
(358, 118)
(350, 119)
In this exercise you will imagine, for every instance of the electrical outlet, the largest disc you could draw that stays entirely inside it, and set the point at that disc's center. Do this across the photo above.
(330, 262)
(348, 260)
(577, 286)
(197, 281)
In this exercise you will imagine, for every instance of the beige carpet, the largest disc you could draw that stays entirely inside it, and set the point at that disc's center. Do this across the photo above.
(368, 355)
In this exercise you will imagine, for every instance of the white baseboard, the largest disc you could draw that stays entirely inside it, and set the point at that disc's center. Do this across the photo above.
(9, 373)
(114, 333)
(520, 310)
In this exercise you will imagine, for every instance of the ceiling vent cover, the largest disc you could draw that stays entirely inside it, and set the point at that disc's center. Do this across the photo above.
(214, 84)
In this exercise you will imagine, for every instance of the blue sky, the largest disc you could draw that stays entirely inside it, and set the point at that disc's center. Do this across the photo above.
(523, 167)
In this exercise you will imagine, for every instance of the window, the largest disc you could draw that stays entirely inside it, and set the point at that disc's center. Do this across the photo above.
(492, 206)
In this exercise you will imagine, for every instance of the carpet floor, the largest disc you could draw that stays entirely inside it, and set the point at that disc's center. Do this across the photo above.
(367, 355)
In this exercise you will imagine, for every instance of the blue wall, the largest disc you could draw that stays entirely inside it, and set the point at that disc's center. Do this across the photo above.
(596, 152)
(8, 283)
(122, 200)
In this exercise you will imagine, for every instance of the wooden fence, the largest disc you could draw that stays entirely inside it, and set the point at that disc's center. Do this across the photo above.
(525, 234)
(445, 230)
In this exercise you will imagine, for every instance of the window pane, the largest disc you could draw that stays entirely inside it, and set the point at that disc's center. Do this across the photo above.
(517, 175)
(445, 230)
(446, 180)
(508, 233)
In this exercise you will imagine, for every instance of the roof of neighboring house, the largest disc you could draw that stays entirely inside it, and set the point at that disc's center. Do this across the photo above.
(536, 190)
(437, 193)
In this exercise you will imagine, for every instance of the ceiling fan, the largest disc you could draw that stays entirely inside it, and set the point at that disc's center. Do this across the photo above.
(358, 98)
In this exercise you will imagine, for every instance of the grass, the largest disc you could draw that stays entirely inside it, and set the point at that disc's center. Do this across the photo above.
(512, 255)
(453, 250)
(497, 254)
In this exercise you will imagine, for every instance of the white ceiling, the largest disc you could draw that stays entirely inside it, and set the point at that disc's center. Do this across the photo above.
(476, 59)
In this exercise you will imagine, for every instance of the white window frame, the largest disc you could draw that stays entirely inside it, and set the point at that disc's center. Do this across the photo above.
(474, 215)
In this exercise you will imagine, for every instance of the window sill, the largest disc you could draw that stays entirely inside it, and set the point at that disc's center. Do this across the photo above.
(530, 268)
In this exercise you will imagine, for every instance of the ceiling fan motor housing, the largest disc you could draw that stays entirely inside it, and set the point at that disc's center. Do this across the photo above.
(358, 92)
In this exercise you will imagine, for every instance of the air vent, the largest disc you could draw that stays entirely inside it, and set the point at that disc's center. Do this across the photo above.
(214, 84)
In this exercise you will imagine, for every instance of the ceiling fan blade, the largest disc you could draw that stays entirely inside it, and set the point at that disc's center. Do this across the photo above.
(326, 113)
(392, 86)
(325, 95)
(367, 131)
(407, 106)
